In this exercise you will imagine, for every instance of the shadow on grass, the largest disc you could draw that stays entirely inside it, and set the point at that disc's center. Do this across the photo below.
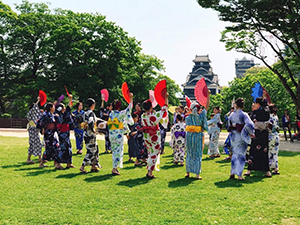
(20, 164)
(208, 159)
(133, 167)
(171, 166)
(167, 156)
(28, 169)
(255, 177)
(69, 175)
(288, 154)
(182, 182)
(223, 161)
(134, 182)
(98, 178)
(40, 172)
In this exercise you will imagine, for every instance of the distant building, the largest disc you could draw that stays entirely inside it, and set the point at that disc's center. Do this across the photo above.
(202, 68)
(242, 65)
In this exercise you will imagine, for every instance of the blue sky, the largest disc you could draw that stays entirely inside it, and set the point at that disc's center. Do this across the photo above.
(175, 31)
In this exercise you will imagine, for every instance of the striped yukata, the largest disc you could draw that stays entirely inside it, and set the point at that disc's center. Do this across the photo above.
(195, 141)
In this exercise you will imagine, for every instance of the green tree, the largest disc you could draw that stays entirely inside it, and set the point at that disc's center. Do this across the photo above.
(252, 21)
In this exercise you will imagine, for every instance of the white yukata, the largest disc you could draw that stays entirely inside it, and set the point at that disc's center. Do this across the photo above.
(214, 133)
(177, 142)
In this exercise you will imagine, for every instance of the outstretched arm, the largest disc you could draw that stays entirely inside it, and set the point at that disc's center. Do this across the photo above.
(208, 100)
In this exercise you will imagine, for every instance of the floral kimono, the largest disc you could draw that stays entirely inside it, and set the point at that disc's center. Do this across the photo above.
(35, 145)
(116, 125)
(152, 137)
(65, 123)
(77, 130)
(240, 127)
(214, 133)
(49, 123)
(273, 141)
(92, 150)
(177, 142)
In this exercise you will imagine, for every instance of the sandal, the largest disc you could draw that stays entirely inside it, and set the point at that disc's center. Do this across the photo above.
(198, 178)
(130, 160)
(187, 176)
(150, 177)
(275, 173)
(30, 162)
(59, 168)
(79, 152)
(227, 159)
(268, 176)
(232, 177)
(217, 156)
(212, 156)
(71, 166)
(241, 179)
(43, 165)
(139, 164)
(95, 170)
(83, 171)
(181, 164)
(115, 174)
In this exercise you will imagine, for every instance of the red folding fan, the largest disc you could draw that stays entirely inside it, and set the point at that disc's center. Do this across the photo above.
(126, 92)
(43, 97)
(200, 92)
(68, 94)
(188, 101)
(105, 94)
(160, 92)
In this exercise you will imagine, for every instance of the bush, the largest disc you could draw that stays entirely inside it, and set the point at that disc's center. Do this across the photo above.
(6, 115)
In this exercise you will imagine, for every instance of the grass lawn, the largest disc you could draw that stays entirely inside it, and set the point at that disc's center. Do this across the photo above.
(30, 195)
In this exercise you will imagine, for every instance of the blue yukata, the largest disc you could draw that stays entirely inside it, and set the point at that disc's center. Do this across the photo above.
(117, 122)
(273, 141)
(195, 141)
(49, 123)
(241, 126)
(133, 144)
(214, 135)
(66, 122)
(77, 130)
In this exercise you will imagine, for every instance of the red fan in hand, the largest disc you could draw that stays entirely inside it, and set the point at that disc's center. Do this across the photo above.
(201, 92)
(126, 92)
(105, 94)
(68, 94)
(43, 97)
(188, 102)
(160, 92)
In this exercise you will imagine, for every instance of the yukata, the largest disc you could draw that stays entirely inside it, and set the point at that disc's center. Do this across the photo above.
(152, 137)
(117, 122)
(77, 130)
(259, 150)
(106, 131)
(92, 150)
(273, 141)
(214, 133)
(240, 127)
(49, 123)
(35, 145)
(177, 142)
(133, 144)
(163, 134)
(65, 124)
(195, 124)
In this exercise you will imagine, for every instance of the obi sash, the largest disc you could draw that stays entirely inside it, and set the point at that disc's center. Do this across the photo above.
(194, 129)
(50, 126)
(114, 124)
(151, 130)
(238, 127)
(63, 127)
(179, 133)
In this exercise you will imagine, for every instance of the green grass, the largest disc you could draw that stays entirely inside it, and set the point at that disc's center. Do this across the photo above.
(30, 195)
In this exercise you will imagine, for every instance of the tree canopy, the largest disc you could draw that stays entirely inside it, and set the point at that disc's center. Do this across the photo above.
(252, 22)
(46, 49)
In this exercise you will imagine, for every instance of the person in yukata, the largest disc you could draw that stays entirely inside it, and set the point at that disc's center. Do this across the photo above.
(90, 139)
(273, 139)
(35, 144)
(214, 132)
(78, 119)
(177, 142)
(241, 130)
(116, 125)
(259, 150)
(196, 123)
(104, 115)
(66, 123)
(48, 123)
(150, 126)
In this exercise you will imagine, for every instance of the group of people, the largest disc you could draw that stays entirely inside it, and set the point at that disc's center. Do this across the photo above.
(145, 132)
